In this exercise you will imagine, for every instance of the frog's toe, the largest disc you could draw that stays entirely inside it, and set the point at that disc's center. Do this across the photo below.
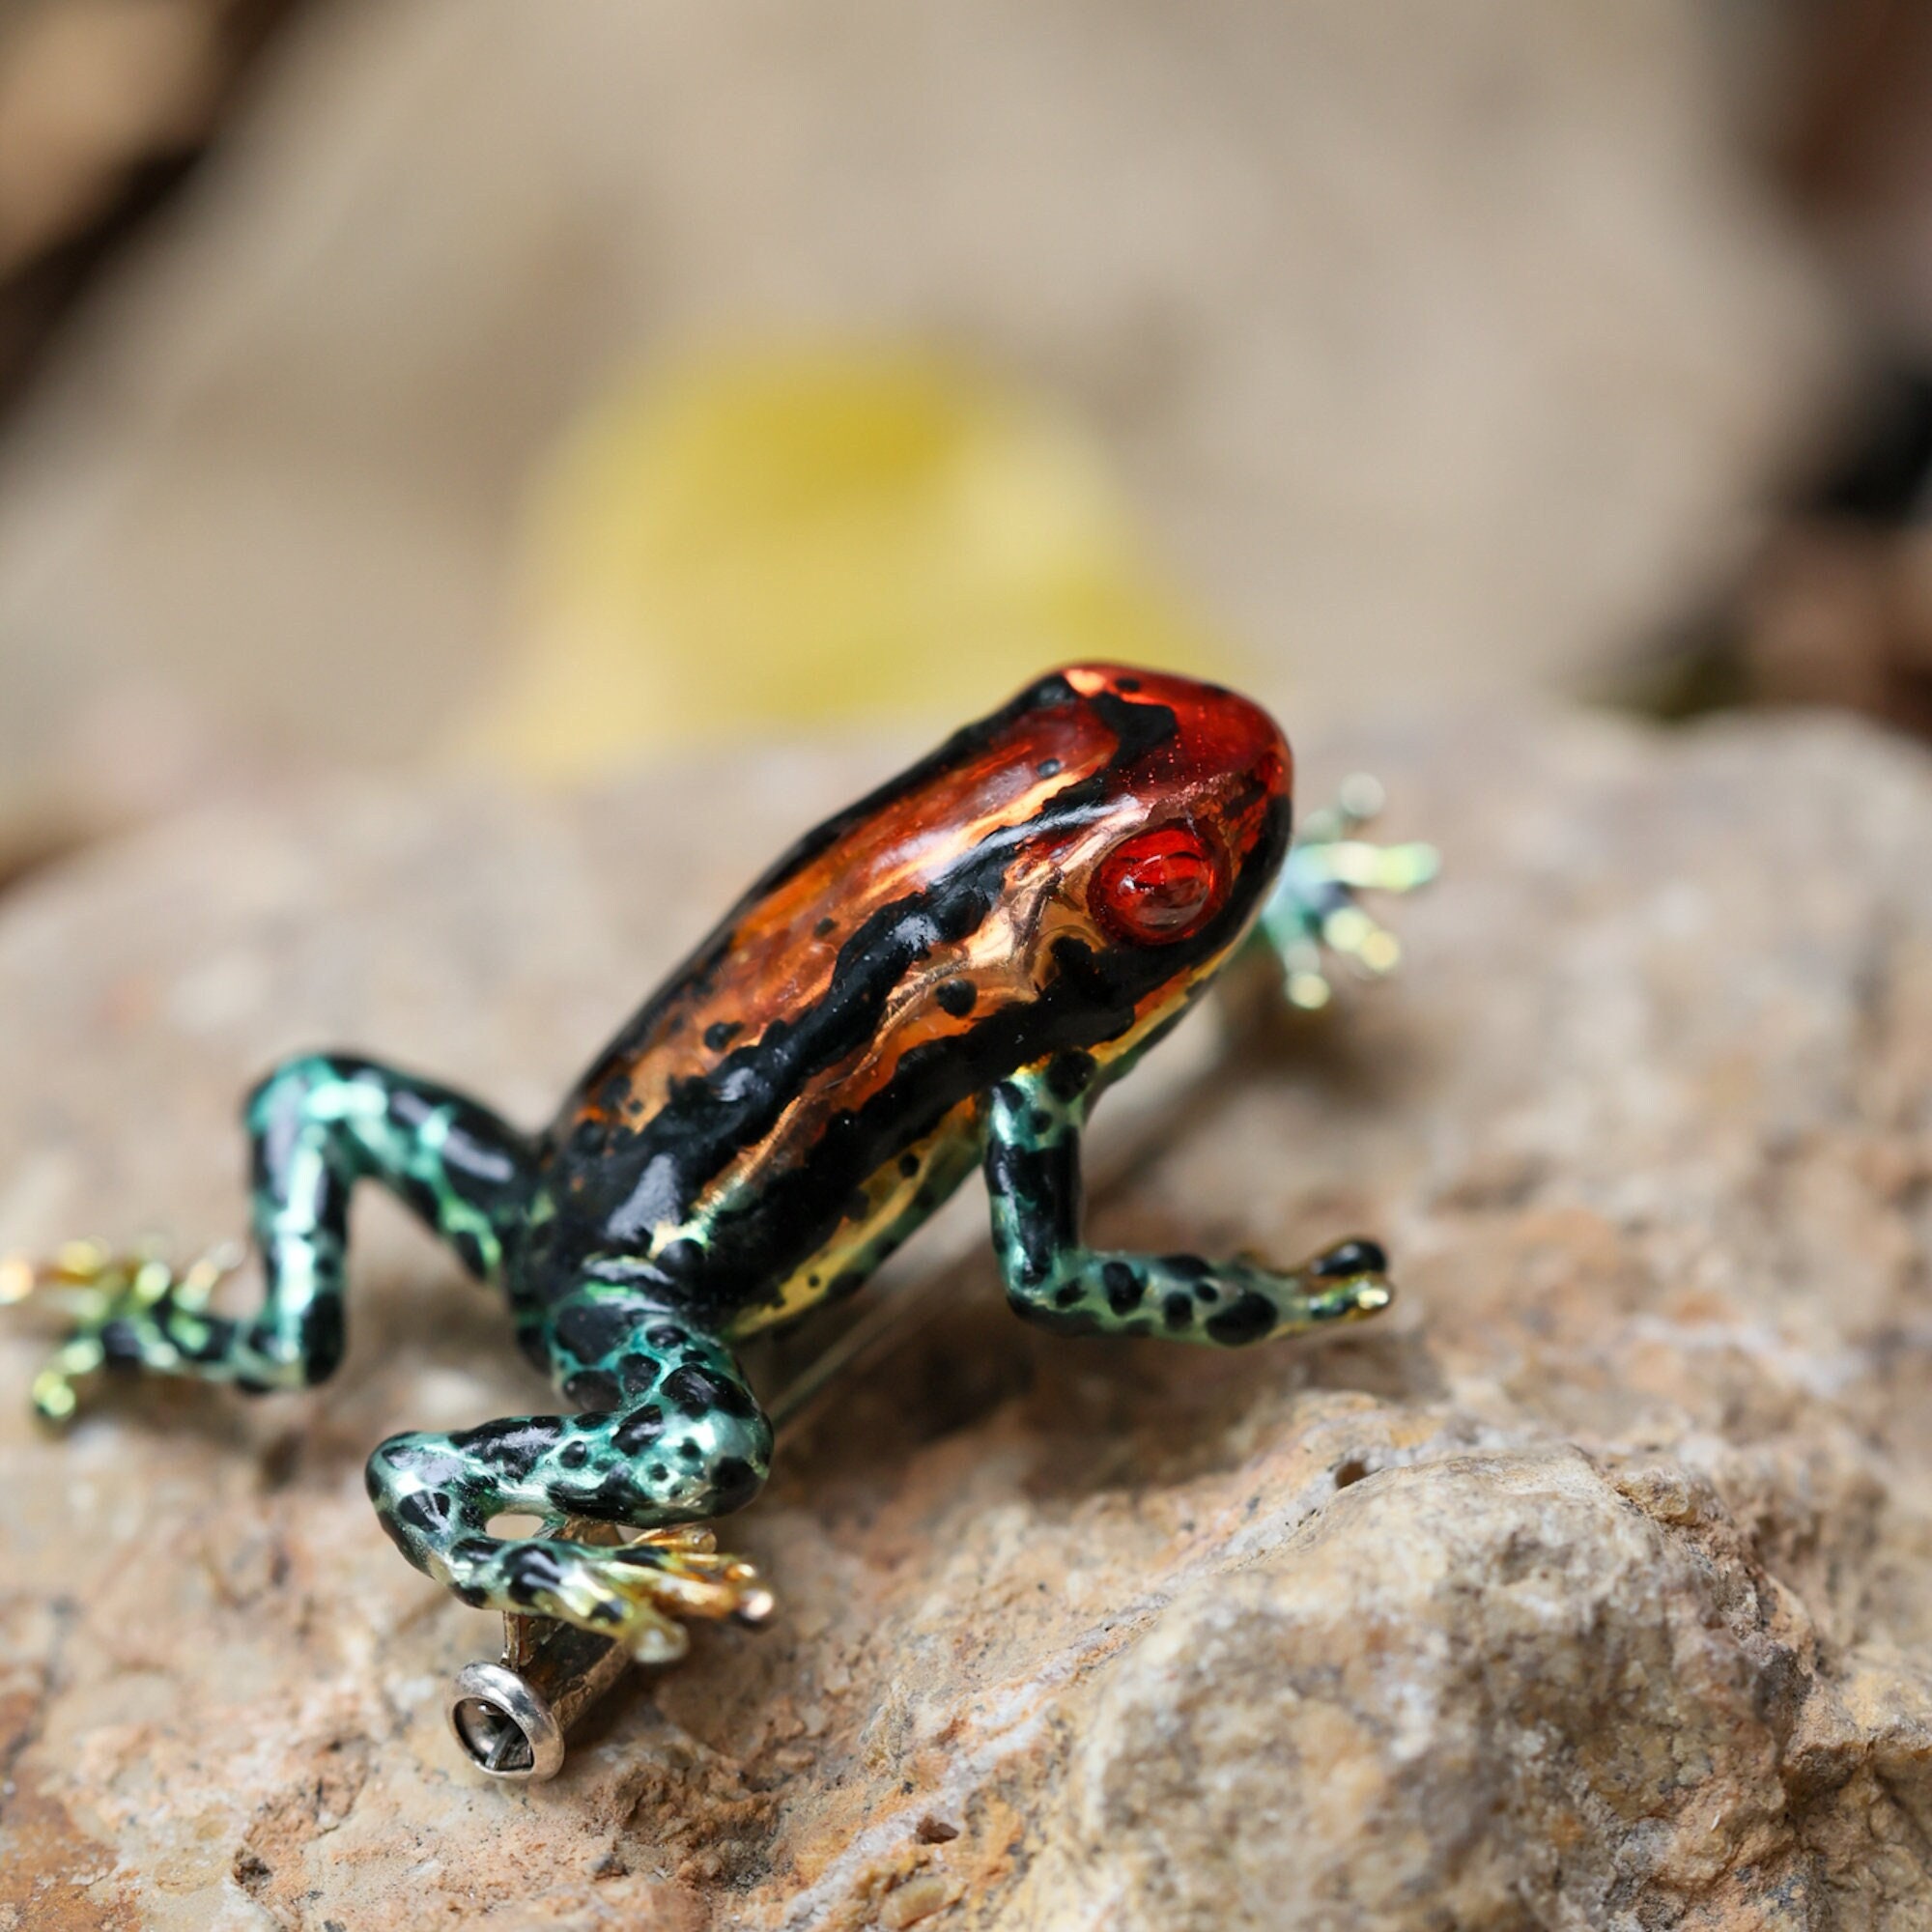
(650, 1588)
(1350, 1280)
(1352, 934)
(90, 1288)
(131, 1309)
(55, 1391)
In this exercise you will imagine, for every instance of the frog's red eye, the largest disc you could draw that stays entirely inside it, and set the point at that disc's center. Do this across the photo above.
(1156, 887)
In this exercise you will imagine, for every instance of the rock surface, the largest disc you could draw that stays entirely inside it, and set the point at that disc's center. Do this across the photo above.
(1594, 1591)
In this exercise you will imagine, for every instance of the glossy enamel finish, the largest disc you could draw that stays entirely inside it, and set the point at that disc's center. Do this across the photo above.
(800, 1084)
(942, 977)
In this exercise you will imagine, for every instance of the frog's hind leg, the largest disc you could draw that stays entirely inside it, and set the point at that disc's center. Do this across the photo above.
(1032, 1125)
(676, 1437)
(316, 1125)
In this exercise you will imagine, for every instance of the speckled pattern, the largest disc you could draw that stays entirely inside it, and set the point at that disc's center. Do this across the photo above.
(947, 972)
(1033, 1177)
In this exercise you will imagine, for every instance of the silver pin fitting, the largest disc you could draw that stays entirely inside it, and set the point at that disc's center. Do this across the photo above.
(512, 1716)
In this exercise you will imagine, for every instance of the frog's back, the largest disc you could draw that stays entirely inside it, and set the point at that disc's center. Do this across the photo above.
(805, 1078)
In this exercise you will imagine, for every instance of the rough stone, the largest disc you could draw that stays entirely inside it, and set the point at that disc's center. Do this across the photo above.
(1592, 1590)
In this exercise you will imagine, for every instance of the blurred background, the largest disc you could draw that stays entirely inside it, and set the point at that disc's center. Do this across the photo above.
(494, 385)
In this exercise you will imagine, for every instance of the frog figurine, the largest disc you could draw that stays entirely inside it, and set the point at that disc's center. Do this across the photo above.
(945, 975)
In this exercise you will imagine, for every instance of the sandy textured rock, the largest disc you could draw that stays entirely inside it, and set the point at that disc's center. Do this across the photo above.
(1594, 1592)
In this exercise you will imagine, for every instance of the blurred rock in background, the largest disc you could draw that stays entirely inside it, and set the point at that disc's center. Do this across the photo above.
(1850, 133)
(104, 105)
(1834, 605)
(1432, 351)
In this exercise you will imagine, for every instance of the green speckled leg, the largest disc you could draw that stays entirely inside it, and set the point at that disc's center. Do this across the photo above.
(674, 1436)
(1314, 909)
(1032, 1128)
(316, 1125)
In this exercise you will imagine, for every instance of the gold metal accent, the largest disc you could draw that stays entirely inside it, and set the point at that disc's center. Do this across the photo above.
(512, 1718)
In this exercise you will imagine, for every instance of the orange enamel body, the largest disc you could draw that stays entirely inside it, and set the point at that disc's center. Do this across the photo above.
(1055, 880)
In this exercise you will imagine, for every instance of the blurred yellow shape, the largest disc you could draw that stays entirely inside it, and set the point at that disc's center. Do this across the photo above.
(769, 541)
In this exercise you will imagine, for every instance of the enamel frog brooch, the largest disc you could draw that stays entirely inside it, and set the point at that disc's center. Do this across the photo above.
(945, 975)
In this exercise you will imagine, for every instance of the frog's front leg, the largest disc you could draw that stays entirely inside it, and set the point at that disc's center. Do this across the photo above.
(683, 1439)
(316, 1125)
(1032, 1126)
(1315, 908)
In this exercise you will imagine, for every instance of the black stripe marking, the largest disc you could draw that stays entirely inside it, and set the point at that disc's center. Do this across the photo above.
(616, 1179)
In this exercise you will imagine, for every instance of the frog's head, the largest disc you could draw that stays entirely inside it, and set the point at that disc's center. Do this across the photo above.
(1160, 816)
(1061, 874)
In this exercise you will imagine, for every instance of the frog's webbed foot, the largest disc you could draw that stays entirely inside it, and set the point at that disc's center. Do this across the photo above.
(1314, 914)
(641, 1592)
(687, 1444)
(123, 1309)
(645, 1592)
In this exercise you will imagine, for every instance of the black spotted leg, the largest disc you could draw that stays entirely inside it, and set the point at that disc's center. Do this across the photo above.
(676, 1437)
(1032, 1128)
(316, 1127)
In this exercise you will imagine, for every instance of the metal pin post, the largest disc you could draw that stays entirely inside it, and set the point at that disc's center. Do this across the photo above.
(511, 1718)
